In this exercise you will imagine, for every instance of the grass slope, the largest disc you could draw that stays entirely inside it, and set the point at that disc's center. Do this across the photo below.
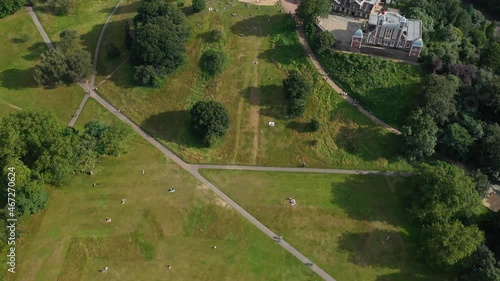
(389, 89)
(340, 221)
(253, 95)
(71, 241)
(21, 46)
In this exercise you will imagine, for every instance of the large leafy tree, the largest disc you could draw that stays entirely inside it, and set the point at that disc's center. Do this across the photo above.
(309, 10)
(419, 135)
(158, 33)
(490, 56)
(8, 7)
(52, 69)
(324, 41)
(213, 62)
(443, 192)
(444, 244)
(209, 120)
(480, 266)
(297, 90)
(457, 141)
(488, 156)
(439, 98)
(198, 5)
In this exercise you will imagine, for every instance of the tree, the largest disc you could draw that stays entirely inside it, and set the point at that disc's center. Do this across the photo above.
(198, 5)
(106, 139)
(209, 120)
(213, 62)
(324, 41)
(79, 65)
(315, 125)
(68, 41)
(419, 135)
(443, 193)
(52, 70)
(457, 141)
(488, 156)
(480, 266)
(481, 183)
(439, 98)
(490, 56)
(309, 10)
(112, 51)
(8, 7)
(491, 228)
(158, 33)
(473, 126)
(297, 90)
(447, 243)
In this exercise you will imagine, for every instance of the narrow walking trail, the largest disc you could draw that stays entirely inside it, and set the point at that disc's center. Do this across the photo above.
(192, 169)
(291, 8)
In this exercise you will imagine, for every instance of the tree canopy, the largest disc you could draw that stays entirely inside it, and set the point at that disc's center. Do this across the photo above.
(213, 62)
(8, 7)
(439, 98)
(209, 120)
(480, 266)
(309, 10)
(297, 90)
(419, 135)
(158, 33)
(198, 5)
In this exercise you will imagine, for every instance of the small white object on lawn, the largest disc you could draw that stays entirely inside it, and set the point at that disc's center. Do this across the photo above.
(271, 124)
(215, 247)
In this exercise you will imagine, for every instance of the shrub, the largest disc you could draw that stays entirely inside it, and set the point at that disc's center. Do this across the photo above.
(198, 5)
(216, 35)
(315, 125)
(209, 120)
(297, 90)
(213, 62)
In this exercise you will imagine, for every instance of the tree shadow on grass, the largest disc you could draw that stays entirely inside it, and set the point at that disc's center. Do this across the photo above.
(269, 98)
(16, 79)
(299, 127)
(283, 54)
(172, 126)
(263, 25)
(35, 51)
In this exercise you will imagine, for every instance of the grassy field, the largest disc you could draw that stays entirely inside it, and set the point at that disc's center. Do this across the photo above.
(341, 222)
(21, 46)
(153, 229)
(253, 95)
(389, 89)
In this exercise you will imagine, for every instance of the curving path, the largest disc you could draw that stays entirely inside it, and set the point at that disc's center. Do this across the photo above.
(194, 169)
(291, 8)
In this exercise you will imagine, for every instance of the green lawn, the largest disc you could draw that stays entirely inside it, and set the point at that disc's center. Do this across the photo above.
(253, 95)
(153, 229)
(20, 49)
(341, 222)
(389, 89)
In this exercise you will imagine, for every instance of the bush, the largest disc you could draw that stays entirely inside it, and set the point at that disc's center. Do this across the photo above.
(213, 62)
(297, 90)
(198, 5)
(209, 120)
(112, 51)
(315, 125)
(146, 75)
(216, 35)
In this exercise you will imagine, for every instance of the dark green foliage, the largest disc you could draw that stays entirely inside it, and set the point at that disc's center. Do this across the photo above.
(489, 95)
(490, 56)
(324, 41)
(106, 139)
(198, 5)
(443, 193)
(67, 64)
(480, 266)
(457, 141)
(158, 33)
(491, 228)
(297, 90)
(213, 62)
(112, 51)
(216, 35)
(481, 183)
(8, 7)
(439, 98)
(444, 244)
(473, 126)
(309, 10)
(488, 157)
(315, 125)
(419, 135)
(209, 120)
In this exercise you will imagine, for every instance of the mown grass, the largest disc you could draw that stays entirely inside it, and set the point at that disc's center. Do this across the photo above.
(341, 222)
(389, 89)
(153, 229)
(20, 49)
(253, 95)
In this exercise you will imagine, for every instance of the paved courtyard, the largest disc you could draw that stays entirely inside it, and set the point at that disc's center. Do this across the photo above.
(341, 27)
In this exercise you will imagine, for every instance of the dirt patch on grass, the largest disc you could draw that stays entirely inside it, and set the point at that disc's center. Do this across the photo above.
(202, 187)
(221, 203)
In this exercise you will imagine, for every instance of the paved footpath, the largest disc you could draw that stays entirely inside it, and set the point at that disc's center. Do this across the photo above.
(192, 169)
(290, 7)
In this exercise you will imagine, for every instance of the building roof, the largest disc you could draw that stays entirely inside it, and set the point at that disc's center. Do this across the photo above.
(358, 34)
(412, 28)
(417, 43)
(361, 2)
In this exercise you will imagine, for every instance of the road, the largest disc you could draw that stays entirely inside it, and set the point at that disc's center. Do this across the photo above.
(291, 7)
(194, 169)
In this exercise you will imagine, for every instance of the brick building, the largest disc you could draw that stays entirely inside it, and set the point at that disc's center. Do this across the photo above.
(354, 8)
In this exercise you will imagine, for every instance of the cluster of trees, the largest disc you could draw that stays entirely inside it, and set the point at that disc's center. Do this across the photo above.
(44, 151)
(209, 120)
(68, 63)
(309, 10)
(156, 38)
(445, 202)
(8, 7)
(297, 90)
